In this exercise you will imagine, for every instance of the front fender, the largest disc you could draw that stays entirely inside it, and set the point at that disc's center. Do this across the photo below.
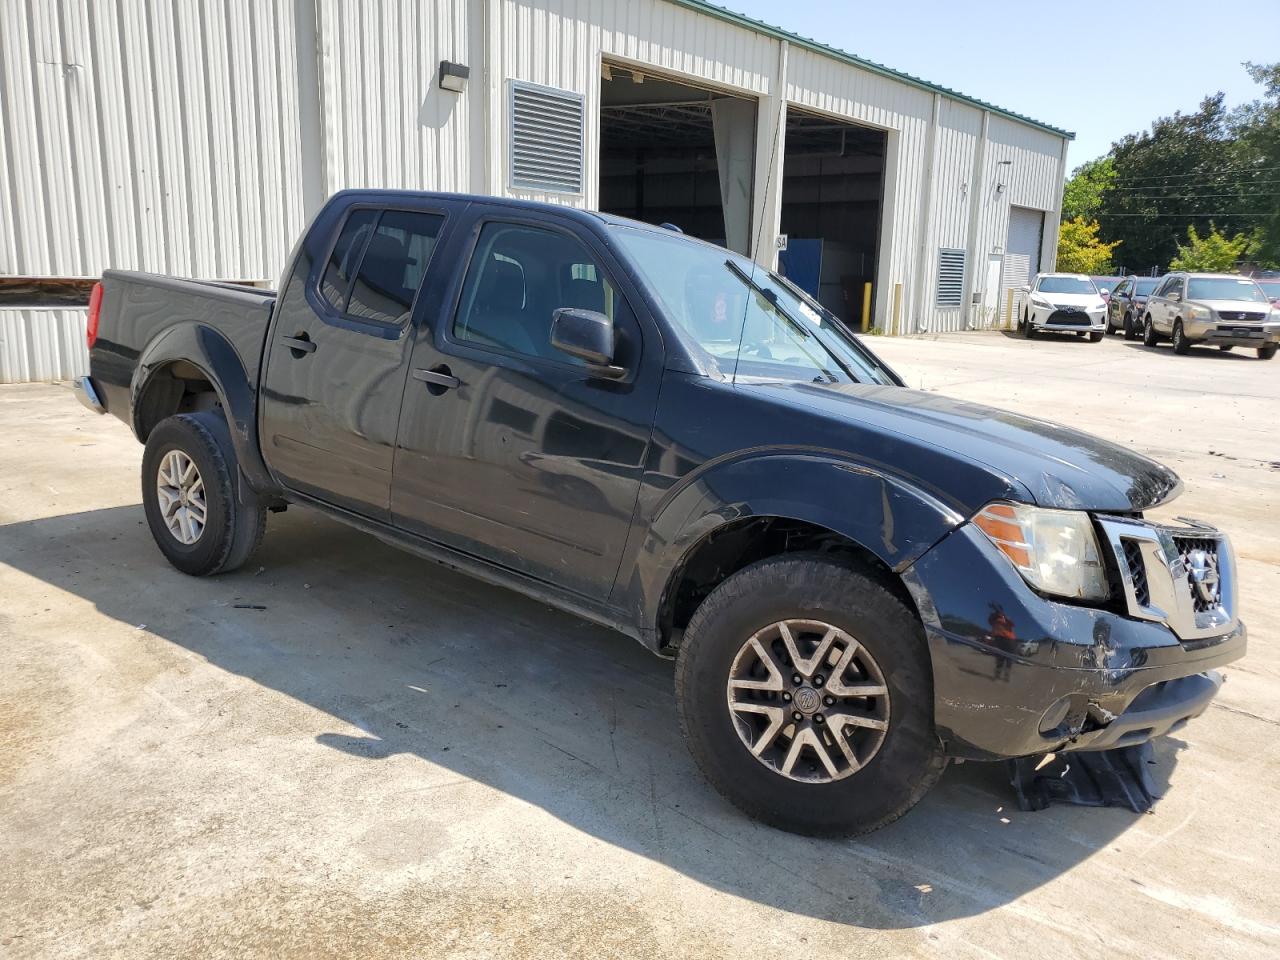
(204, 347)
(885, 515)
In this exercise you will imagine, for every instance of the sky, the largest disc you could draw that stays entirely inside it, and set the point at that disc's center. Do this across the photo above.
(1084, 66)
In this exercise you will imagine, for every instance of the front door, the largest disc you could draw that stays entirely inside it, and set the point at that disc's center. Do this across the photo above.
(510, 450)
(991, 292)
(339, 350)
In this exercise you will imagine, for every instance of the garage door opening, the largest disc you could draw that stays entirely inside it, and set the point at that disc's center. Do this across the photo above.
(832, 195)
(672, 152)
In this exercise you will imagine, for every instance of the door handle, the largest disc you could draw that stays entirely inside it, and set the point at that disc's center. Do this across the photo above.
(438, 377)
(300, 344)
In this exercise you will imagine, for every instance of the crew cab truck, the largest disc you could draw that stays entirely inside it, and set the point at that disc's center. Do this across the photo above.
(1217, 309)
(857, 581)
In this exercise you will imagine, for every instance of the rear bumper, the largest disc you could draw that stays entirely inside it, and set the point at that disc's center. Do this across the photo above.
(1016, 674)
(87, 394)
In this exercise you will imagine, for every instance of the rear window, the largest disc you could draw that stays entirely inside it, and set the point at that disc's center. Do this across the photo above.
(393, 265)
(346, 254)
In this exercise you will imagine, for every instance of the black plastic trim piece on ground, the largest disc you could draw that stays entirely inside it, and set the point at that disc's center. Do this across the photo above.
(1091, 778)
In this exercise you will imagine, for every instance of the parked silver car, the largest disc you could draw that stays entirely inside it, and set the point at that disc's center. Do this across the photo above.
(1212, 308)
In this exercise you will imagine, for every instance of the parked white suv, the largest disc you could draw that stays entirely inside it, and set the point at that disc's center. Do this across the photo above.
(1211, 308)
(1063, 302)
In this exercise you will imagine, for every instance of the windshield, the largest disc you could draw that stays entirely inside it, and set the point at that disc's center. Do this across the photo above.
(743, 321)
(1224, 288)
(1146, 285)
(1066, 285)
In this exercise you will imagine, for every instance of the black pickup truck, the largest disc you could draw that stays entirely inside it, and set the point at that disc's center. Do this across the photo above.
(857, 581)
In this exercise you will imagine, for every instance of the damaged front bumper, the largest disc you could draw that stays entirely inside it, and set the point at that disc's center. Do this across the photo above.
(1017, 674)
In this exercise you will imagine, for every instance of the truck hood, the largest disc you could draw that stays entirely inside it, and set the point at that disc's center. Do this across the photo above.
(1058, 466)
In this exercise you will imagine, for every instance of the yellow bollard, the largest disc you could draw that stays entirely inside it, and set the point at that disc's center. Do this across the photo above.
(866, 307)
(1008, 310)
(897, 306)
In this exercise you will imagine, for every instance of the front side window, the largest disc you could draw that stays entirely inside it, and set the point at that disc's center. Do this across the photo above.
(1065, 285)
(743, 321)
(1174, 288)
(518, 277)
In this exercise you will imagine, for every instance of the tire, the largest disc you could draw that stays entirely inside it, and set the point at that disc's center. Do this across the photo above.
(1095, 337)
(233, 524)
(1181, 345)
(1267, 352)
(1028, 328)
(1149, 336)
(1129, 333)
(824, 593)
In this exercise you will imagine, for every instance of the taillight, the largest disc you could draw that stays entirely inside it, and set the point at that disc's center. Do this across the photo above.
(95, 310)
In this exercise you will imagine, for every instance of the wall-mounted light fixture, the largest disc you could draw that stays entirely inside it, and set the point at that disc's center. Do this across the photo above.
(1000, 173)
(453, 76)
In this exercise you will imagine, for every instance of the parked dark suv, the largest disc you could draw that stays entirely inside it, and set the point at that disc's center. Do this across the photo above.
(856, 580)
(1128, 305)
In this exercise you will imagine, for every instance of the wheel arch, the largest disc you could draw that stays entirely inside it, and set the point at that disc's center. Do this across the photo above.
(764, 506)
(192, 366)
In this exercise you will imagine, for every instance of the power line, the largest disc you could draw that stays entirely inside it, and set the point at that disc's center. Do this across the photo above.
(1244, 171)
(1142, 191)
(1183, 216)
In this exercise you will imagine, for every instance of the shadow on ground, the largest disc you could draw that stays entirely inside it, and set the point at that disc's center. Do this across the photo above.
(554, 711)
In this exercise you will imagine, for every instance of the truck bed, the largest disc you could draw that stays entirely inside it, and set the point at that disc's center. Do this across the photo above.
(142, 313)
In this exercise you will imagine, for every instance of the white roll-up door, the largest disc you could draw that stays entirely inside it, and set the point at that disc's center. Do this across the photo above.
(1022, 253)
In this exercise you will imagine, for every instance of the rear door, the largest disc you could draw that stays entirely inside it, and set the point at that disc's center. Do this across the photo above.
(339, 351)
(510, 450)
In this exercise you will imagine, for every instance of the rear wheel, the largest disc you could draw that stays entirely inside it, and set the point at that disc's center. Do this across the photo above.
(200, 521)
(1267, 352)
(1149, 336)
(1180, 342)
(805, 695)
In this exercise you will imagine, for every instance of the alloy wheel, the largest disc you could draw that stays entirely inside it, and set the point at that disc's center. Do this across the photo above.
(181, 494)
(808, 701)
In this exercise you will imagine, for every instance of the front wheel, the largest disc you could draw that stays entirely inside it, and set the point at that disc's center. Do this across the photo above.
(1028, 328)
(1129, 333)
(1181, 344)
(805, 694)
(200, 521)
(1149, 336)
(1267, 352)
(1095, 337)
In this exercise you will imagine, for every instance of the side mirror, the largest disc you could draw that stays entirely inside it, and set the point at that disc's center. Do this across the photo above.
(587, 335)
(1175, 297)
(1025, 289)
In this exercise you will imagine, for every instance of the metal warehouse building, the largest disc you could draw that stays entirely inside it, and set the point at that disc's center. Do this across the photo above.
(195, 137)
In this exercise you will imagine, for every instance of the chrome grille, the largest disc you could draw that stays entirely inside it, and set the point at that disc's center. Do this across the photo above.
(1200, 556)
(1182, 575)
(1137, 570)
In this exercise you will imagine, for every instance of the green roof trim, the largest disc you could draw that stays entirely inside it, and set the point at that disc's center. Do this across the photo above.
(759, 26)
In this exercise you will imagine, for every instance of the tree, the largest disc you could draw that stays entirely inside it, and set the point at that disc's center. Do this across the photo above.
(1260, 139)
(1083, 194)
(1186, 169)
(1212, 253)
(1080, 250)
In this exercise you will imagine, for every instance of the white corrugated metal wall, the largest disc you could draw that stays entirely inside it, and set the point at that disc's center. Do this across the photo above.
(175, 137)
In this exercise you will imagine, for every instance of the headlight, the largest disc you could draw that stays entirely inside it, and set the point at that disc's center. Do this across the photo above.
(1040, 302)
(1055, 550)
(1201, 313)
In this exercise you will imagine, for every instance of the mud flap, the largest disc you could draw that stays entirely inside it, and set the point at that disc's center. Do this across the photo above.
(1101, 778)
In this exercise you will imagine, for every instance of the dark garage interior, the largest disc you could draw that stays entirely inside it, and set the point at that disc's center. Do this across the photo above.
(832, 192)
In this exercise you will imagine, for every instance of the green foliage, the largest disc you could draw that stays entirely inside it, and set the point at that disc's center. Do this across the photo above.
(1212, 253)
(1082, 197)
(1080, 250)
(1213, 167)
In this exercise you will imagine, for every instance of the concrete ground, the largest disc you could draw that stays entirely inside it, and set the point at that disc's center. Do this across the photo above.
(391, 760)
